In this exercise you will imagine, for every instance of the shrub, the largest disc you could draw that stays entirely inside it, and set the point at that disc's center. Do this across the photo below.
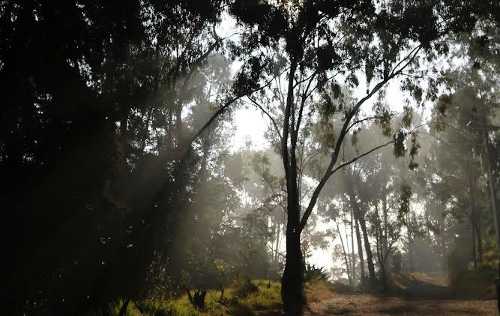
(311, 272)
(246, 288)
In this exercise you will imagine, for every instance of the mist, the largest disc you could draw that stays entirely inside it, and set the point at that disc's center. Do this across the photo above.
(250, 157)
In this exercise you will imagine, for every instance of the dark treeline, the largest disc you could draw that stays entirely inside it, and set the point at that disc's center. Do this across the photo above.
(118, 184)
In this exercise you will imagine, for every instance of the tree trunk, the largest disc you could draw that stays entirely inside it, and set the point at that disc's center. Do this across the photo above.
(361, 219)
(475, 224)
(292, 282)
(474, 254)
(360, 253)
(277, 249)
(353, 255)
(383, 276)
(347, 265)
(369, 254)
(381, 243)
(479, 240)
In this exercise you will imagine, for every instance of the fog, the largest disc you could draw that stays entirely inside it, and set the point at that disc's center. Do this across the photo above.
(253, 157)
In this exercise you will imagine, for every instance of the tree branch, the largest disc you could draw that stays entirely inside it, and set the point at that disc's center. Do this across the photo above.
(224, 107)
(363, 120)
(303, 102)
(345, 128)
(275, 125)
(342, 165)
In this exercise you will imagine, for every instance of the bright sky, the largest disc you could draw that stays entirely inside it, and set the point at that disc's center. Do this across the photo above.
(250, 125)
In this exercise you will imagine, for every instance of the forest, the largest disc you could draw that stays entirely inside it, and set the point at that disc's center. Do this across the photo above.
(250, 157)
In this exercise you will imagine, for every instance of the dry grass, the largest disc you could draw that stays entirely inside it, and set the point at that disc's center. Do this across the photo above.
(370, 305)
(322, 300)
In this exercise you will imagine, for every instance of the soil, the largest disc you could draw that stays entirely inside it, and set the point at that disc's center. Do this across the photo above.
(371, 305)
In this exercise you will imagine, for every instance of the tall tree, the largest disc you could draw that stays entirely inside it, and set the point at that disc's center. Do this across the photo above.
(298, 47)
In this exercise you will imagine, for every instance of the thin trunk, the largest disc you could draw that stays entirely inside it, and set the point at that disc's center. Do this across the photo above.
(479, 240)
(442, 242)
(475, 222)
(360, 253)
(353, 255)
(361, 219)
(474, 254)
(344, 252)
(369, 254)
(385, 230)
(385, 243)
(351, 266)
(381, 241)
(410, 250)
(276, 251)
(383, 276)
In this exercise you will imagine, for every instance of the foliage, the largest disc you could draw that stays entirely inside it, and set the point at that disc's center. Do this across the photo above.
(118, 183)
(264, 299)
(314, 273)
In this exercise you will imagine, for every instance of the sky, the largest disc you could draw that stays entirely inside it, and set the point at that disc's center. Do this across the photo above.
(250, 125)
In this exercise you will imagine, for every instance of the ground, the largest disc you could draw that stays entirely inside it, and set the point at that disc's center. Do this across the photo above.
(371, 305)
(418, 295)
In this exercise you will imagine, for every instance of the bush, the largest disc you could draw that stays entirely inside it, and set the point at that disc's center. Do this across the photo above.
(246, 288)
(311, 272)
(474, 284)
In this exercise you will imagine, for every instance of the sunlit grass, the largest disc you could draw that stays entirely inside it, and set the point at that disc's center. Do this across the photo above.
(265, 298)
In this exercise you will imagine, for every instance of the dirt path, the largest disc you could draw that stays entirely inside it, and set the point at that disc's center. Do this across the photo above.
(370, 305)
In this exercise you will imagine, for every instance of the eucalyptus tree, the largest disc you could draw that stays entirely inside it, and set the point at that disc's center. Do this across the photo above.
(86, 97)
(467, 136)
(299, 49)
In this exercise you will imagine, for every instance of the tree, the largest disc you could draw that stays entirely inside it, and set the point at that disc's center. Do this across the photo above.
(305, 44)
(466, 138)
(86, 83)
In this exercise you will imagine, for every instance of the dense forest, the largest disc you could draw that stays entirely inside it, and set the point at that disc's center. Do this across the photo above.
(123, 192)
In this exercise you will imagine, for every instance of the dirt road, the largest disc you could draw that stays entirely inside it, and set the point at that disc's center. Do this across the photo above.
(370, 305)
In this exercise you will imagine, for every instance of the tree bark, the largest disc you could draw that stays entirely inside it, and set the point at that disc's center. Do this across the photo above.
(364, 230)
(474, 253)
(353, 255)
(479, 239)
(347, 265)
(369, 254)
(360, 253)
(475, 223)
(292, 282)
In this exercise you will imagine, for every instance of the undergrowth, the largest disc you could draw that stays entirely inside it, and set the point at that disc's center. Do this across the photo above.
(239, 300)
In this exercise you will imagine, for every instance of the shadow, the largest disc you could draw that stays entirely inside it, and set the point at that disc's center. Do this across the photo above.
(411, 287)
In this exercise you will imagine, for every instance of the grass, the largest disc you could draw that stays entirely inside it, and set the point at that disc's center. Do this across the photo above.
(323, 299)
(264, 301)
